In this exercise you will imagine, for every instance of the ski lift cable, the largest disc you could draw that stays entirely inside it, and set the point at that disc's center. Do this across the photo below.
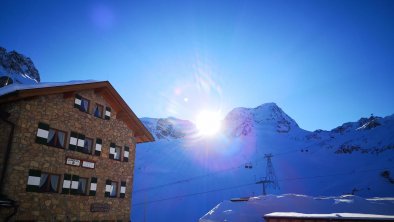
(196, 177)
(249, 184)
(221, 171)
(185, 180)
(195, 194)
(333, 174)
(209, 174)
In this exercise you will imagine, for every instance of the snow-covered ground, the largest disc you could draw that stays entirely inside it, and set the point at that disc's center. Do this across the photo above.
(355, 216)
(182, 175)
(300, 205)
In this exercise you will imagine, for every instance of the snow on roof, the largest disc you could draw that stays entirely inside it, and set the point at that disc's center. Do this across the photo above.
(16, 87)
(331, 215)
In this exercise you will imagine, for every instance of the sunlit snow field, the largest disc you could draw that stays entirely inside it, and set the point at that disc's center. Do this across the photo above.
(182, 176)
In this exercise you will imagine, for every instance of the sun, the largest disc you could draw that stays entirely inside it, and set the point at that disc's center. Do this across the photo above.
(208, 123)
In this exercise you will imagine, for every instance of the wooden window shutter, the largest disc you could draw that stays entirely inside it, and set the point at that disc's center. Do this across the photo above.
(112, 151)
(126, 154)
(66, 184)
(81, 142)
(107, 113)
(73, 141)
(74, 184)
(122, 189)
(93, 186)
(33, 181)
(97, 150)
(107, 188)
(77, 101)
(42, 133)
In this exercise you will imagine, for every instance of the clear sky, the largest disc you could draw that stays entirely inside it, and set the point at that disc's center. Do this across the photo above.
(323, 62)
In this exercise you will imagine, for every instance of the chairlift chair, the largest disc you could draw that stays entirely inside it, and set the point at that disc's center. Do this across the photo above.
(248, 165)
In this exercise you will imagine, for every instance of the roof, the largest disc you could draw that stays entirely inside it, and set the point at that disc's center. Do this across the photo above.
(336, 216)
(17, 92)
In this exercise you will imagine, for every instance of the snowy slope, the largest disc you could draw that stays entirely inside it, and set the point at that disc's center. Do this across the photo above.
(182, 176)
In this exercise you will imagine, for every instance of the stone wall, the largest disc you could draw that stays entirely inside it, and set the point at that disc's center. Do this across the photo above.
(58, 111)
(5, 133)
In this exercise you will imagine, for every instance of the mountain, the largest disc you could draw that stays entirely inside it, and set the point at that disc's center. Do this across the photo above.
(16, 68)
(169, 128)
(183, 175)
(242, 121)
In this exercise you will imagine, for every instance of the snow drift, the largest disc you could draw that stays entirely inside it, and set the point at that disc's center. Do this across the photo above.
(254, 209)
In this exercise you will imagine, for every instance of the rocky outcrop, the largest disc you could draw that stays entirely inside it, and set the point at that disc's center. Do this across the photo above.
(168, 128)
(17, 67)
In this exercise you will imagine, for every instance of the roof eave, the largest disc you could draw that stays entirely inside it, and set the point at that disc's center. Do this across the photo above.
(113, 97)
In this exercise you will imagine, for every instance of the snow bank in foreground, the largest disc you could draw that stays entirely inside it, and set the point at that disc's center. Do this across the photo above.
(353, 216)
(254, 209)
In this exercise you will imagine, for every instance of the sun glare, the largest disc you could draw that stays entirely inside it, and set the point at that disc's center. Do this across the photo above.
(208, 123)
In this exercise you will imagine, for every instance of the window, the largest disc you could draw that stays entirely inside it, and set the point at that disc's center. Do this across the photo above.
(114, 187)
(48, 183)
(75, 185)
(98, 110)
(111, 188)
(107, 115)
(84, 105)
(87, 147)
(126, 154)
(115, 152)
(93, 186)
(118, 149)
(56, 138)
(98, 146)
(122, 189)
(82, 186)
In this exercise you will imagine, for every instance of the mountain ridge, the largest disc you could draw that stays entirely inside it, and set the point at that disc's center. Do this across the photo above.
(241, 121)
(188, 175)
(17, 68)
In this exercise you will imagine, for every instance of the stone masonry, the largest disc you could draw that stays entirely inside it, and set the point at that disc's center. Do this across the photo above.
(58, 111)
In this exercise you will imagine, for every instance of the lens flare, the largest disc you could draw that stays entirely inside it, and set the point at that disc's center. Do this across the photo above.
(208, 122)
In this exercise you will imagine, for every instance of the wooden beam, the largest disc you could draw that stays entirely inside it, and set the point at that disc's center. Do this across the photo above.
(111, 100)
(122, 115)
(99, 91)
(67, 95)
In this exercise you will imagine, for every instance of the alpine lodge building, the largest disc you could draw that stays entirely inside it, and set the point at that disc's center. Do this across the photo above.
(67, 152)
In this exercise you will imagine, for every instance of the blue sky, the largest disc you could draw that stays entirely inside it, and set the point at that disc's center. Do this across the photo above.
(322, 62)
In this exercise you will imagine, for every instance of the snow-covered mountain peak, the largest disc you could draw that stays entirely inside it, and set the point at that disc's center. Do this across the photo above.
(168, 128)
(242, 121)
(16, 68)
(361, 124)
(197, 173)
(270, 112)
(367, 135)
